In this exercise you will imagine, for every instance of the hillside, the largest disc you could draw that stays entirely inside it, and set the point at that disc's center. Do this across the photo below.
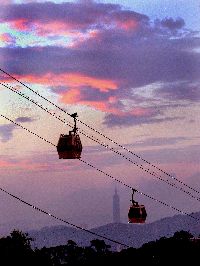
(133, 235)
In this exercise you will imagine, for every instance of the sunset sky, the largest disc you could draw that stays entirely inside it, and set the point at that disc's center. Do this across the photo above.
(130, 69)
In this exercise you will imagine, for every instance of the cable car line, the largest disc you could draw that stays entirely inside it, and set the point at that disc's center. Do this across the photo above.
(108, 175)
(27, 130)
(102, 144)
(121, 146)
(142, 193)
(62, 220)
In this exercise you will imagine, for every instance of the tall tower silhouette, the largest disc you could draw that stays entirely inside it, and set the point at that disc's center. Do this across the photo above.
(116, 208)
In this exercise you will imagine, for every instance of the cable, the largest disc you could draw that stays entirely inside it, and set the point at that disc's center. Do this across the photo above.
(121, 146)
(136, 190)
(102, 144)
(100, 132)
(62, 220)
(27, 129)
(110, 176)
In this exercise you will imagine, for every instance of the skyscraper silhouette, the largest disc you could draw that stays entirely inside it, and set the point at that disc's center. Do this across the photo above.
(116, 208)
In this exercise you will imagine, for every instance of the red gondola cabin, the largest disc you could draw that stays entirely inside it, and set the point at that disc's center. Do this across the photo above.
(137, 213)
(69, 146)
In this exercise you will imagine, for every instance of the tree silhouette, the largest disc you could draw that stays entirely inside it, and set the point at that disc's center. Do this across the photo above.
(100, 246)
(182, 235)
(74, 253)
(16, 250)
(180, 249)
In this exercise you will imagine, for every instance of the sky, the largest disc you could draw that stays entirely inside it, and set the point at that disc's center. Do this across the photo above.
(130, 69)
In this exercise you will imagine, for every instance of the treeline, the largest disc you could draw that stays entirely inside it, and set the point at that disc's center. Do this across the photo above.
(182, 248)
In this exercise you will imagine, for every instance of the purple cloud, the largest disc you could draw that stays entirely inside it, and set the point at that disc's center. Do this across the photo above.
(24, 119)
(172, 24)
(137, 58)
(113, 56)
(181, 91)
(112, 120)
(6, 132)
(76, 15)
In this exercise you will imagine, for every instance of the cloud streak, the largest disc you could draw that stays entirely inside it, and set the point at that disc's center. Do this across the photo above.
(6, 131)
(112, 120)
(160, 141)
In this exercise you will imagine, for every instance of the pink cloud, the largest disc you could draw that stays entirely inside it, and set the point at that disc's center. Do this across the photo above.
(74, 96)
(6, 38)
(31, 165)
(6, 164)
(58, 28)
(21, 165)
(72, 80)
(79, 38)
(127, 24)
(57, 19)
(19, 24)
(109, 104)
(75, 93)
(141, 111)
(62, 28)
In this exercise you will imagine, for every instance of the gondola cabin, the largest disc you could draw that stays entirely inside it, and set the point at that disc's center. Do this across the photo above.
(137, 213)
(69, 146)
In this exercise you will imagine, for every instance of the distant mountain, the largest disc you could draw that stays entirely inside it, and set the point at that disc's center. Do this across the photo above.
(130, 234)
